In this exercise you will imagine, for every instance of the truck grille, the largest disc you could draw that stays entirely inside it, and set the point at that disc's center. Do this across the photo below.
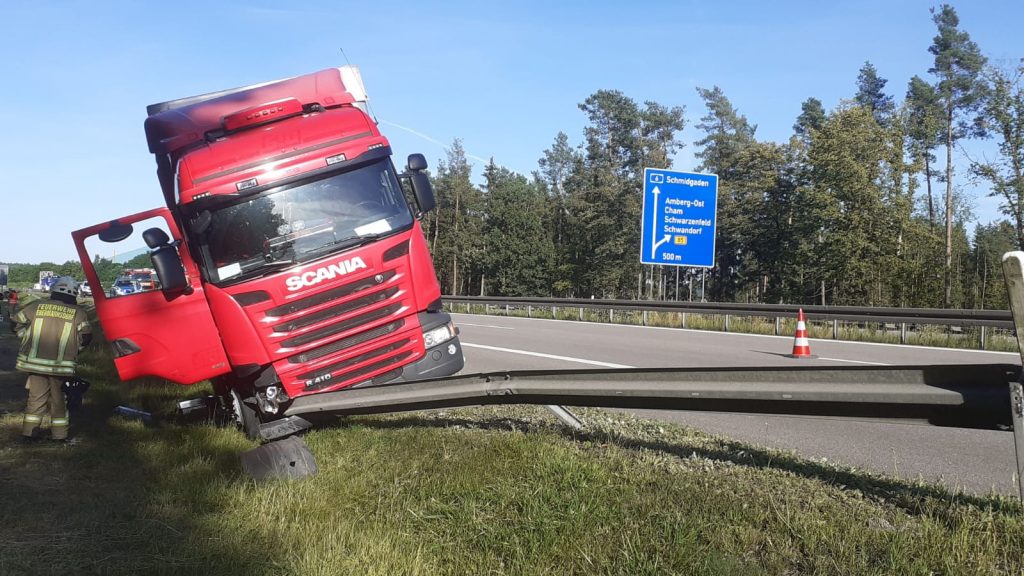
(338, 310)
(323, 377)
(332, 294)
(354, 333)
(351, 341)
(346, 325)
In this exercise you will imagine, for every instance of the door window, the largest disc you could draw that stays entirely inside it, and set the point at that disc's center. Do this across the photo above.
(124, 268)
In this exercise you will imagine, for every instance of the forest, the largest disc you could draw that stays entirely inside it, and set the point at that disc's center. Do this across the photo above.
(865, 204)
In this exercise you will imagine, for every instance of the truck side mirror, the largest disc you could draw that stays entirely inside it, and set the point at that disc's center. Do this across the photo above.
(423, 190)
(417, 162)
(167, 263)
(420, 183)
(116, 232)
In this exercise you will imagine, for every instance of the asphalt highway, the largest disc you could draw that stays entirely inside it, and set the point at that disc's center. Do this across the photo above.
(975, 461)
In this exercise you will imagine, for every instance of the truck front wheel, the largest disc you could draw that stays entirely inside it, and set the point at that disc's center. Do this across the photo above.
(245, 414)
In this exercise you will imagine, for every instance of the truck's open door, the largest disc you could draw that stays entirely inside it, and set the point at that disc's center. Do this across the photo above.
(151, 333)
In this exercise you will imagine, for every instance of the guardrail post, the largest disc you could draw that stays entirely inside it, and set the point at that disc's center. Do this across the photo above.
(566, 417)
(727, 322)
(778, 325)
(645, 317)
(554, 312)
(529, 311)
(983, 337)
(683, 321)
(903, 332)
(581, 313)
(611, 316)
(506, 309)
(1013, 271)
(835, 329)
(487, 309)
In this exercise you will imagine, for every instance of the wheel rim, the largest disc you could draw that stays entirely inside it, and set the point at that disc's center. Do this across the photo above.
(236, 409)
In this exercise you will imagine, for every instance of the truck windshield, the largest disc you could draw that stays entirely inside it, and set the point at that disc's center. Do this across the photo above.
(302, 222)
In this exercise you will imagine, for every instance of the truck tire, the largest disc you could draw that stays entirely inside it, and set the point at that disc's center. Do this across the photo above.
(245, 415)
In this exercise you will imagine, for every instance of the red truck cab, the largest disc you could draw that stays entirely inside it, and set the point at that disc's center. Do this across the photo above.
(291, 262)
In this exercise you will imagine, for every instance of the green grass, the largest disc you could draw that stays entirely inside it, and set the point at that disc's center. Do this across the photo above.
(997, 340)
(470, 491)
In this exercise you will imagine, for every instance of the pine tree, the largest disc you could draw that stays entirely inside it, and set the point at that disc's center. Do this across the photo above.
(726, 135)
(454, 229)
(812, 117)
(871, 94)
(1004, 120)
(958, 64)
(605, 189)
(518, 250)
(924, 129)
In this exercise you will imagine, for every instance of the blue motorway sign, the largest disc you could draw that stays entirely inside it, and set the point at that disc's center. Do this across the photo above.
(678, 222)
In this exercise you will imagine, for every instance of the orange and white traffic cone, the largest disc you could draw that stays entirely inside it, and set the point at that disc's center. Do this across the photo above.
(801, 345)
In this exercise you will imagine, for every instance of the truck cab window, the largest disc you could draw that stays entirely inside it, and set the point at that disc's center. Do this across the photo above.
(302, 222)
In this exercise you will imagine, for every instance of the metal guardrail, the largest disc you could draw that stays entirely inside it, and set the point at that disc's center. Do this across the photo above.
(966, 396)
(992, 318)
(903, 320)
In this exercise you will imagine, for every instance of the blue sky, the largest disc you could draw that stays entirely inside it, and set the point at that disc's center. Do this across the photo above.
(504, 77)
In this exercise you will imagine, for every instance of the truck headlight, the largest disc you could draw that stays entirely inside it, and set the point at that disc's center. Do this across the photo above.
(438, 335)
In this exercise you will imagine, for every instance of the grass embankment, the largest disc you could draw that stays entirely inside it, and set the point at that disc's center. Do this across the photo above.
(478, 491)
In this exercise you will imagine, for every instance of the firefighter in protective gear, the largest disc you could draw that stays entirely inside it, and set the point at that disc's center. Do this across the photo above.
(52, 334)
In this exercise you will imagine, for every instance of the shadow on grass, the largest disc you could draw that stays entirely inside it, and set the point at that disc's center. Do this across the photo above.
(126, 497)
(916, 499)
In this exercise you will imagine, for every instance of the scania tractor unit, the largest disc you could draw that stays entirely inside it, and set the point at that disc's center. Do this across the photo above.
(290, 258)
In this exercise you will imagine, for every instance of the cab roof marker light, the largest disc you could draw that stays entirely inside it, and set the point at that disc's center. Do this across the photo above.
(375, 146)
(261, 114)
(335, 159)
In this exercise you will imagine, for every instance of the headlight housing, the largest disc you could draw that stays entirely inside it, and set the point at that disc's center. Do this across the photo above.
(438, 335)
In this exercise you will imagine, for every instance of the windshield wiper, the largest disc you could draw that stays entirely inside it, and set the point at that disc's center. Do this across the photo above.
(350, 242)
(264, 268)
(277, 265)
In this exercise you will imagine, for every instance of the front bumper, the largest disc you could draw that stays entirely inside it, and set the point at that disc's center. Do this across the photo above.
(444, 359)
(441, 360)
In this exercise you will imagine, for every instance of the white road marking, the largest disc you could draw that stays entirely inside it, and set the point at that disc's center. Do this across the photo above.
(856, 361)
(551, 356)
(486, 326)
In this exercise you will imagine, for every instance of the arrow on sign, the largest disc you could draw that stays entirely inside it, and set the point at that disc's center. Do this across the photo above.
(654, 224)
(659, 243)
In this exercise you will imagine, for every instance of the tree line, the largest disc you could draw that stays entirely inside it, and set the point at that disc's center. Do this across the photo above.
(863, 205)
(25, 275)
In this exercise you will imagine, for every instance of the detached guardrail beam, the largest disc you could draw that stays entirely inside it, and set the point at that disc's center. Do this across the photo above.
(968, 396)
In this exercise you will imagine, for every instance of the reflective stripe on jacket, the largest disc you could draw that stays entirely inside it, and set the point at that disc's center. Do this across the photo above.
(51, 337)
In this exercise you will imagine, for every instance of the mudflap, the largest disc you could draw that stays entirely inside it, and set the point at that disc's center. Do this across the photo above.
(283, 459)
(269, 431)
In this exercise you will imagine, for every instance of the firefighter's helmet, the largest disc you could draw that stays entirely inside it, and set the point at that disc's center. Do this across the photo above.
(65, 285)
